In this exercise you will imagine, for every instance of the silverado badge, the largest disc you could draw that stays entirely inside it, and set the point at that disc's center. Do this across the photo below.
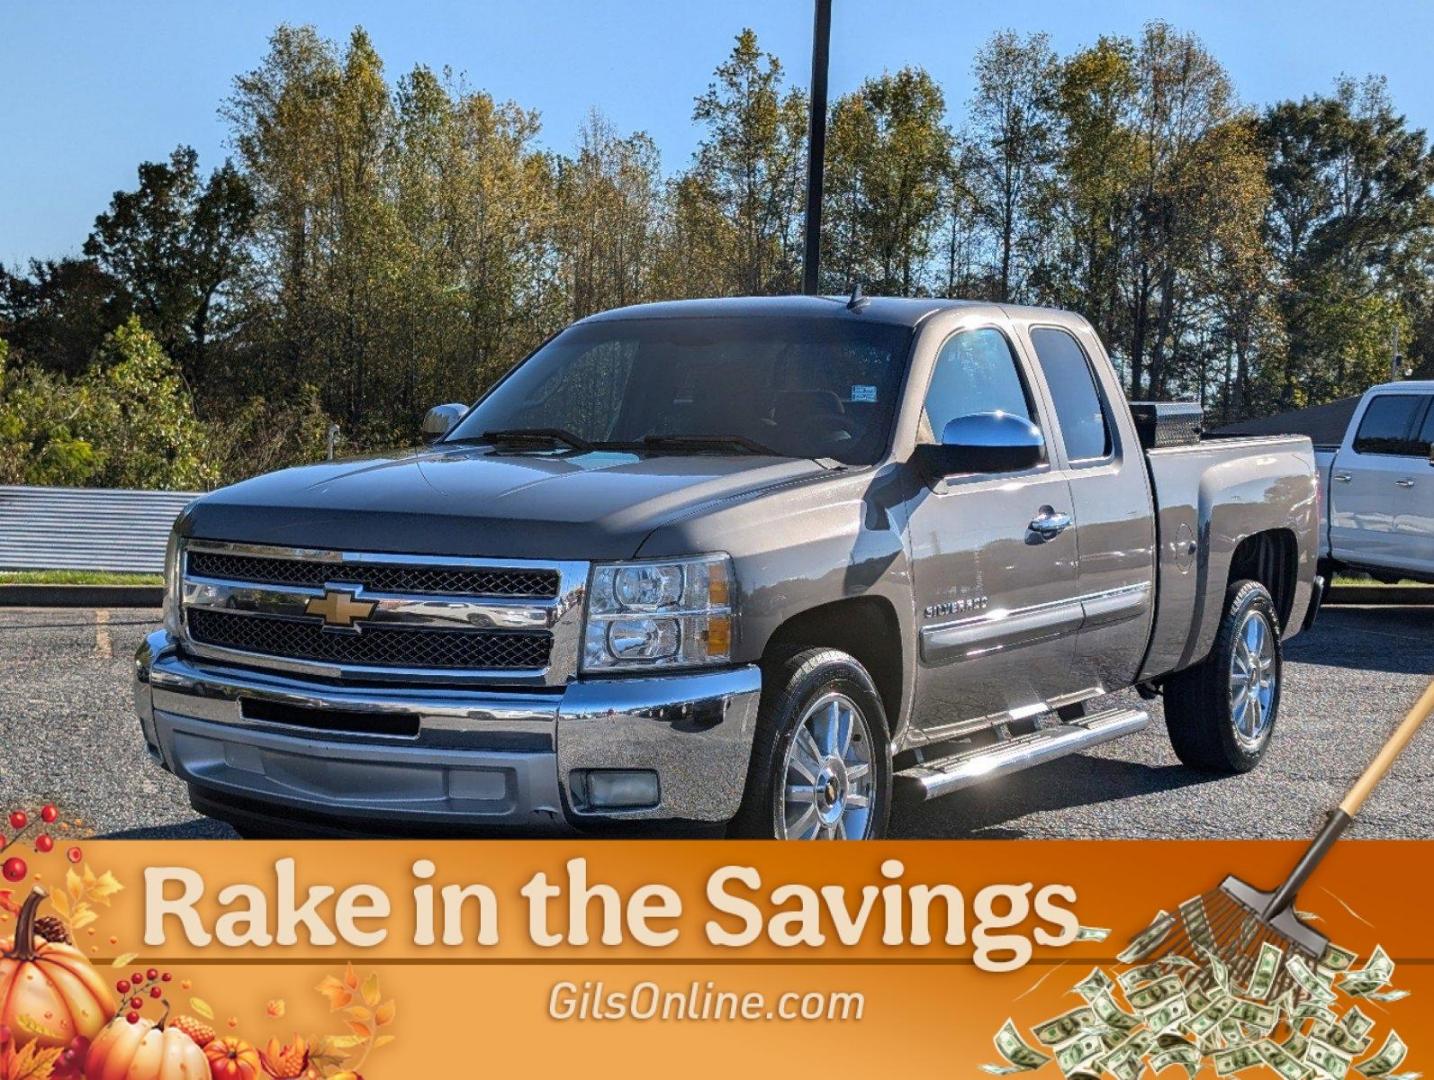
(339, 608)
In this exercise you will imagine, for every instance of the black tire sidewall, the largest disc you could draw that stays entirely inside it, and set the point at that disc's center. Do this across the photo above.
(1197, 700)
(789, 687)
(1252, 596)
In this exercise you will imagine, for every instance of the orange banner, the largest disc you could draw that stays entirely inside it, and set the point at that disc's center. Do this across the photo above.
(414, 958)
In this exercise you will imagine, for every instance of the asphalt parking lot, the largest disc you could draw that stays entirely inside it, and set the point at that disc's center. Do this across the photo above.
(67, 733)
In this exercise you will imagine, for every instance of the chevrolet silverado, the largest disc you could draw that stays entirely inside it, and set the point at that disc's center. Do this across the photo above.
(762, 566)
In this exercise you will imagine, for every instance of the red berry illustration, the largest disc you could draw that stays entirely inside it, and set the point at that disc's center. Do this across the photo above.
(132, 1017)
(166, 977)
(19, 819)
(14, 869)
(122, 986)
(43, 843)
(48, 814)
(136, 1003)
(155, 992)
(74, 854)
(137, 978)
(152, 974)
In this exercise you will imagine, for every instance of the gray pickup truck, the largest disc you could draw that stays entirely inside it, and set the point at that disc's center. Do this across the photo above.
(762, 566)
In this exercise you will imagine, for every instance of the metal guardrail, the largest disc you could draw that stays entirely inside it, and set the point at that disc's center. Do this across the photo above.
(45, 528)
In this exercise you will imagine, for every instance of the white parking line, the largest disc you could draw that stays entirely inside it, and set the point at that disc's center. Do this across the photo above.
(104, 647)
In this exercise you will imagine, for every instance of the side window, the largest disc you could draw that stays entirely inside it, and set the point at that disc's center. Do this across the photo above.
(1388, 425)
(1426, 435)
(975, 372)
(1084, 426)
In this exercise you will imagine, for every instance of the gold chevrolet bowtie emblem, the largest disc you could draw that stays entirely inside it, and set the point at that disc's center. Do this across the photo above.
(339, 608)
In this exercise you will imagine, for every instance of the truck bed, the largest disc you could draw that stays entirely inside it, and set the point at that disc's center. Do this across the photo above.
(1208, 497)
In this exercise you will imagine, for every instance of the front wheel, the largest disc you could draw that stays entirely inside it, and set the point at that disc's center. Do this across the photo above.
(821, 764)
(1221, 712)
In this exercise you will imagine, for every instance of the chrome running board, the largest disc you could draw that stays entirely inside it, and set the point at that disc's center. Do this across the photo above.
(941, 776)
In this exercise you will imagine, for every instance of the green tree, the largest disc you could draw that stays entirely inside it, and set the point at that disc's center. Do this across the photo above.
(127, 422)
(139, 417)
(1009, 146)
(1087, 200)
(1351, 222)
(57, 313)
(746, 183)
(39, 443)
(176, 244)
(608, 211)
(889, 152)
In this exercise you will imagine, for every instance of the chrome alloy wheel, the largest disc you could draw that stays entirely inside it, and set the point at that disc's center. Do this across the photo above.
(1253, 678)
(828, 781)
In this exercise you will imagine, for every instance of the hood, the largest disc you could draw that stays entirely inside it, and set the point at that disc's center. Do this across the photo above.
(483, 502)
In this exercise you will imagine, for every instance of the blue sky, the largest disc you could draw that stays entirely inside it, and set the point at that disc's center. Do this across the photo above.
(91, 88)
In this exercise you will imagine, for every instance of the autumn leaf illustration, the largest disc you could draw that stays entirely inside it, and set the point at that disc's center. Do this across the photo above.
(30, 1062)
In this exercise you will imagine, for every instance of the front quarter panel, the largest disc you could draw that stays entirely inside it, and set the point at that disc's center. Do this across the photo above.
(799, 547)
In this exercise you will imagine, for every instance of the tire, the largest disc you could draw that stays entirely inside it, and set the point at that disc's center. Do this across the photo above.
(802, 693)
(1213, 726)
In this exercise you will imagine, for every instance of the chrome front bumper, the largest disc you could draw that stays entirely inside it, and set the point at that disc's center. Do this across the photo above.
(480, 757)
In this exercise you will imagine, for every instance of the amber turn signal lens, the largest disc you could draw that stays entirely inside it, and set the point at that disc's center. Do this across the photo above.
(719, 636)
(718, 587)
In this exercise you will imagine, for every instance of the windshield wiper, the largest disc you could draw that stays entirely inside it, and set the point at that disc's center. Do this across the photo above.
(707, 442)
(527, 437)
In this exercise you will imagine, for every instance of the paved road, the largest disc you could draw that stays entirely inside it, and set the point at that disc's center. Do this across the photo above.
(67, 732)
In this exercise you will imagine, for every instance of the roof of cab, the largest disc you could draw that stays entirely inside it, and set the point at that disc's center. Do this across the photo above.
(904, 312)
(901, 311)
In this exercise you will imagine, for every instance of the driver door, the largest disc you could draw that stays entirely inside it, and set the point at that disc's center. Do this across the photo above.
(996, 600)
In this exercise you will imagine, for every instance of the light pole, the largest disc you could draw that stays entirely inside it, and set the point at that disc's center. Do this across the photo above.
(817, 146)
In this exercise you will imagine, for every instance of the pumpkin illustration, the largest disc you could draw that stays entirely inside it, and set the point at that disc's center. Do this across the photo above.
(49, 994)
(144, 1050)
(232, 1058)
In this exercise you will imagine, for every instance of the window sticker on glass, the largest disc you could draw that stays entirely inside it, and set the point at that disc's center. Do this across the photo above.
(863, 393)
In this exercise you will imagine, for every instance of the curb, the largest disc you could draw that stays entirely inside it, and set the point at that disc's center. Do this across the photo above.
(82, 596)
(1380, 594)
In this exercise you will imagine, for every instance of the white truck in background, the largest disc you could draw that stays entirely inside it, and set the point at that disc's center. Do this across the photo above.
(1378, 487)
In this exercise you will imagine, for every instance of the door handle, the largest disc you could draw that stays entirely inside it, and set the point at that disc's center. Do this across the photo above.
(1343, 477)
(1405, 482)
(1049, 523)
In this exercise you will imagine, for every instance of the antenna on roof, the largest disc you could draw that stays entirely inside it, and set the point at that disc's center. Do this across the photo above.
(858, 299)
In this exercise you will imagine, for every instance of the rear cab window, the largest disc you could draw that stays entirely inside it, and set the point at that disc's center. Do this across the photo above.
(1389, 426)
(1080, 410)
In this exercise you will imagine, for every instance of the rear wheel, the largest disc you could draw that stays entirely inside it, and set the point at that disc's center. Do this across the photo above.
(1221, 712)
(821, 765)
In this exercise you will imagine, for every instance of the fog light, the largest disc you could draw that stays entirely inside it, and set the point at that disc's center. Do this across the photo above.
(621, 789)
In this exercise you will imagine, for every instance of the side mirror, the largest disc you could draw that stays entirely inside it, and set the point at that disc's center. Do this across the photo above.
(440, 419)
(993, 442)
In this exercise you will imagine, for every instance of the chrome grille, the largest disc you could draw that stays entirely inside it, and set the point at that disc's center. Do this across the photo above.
(376, 576)
(380, 646)
(410, 618)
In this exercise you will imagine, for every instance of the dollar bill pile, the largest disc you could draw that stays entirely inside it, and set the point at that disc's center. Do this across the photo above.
(1192, 1012)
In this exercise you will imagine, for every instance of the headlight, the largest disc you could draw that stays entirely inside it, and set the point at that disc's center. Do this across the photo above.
(673, 613)
(172, 585)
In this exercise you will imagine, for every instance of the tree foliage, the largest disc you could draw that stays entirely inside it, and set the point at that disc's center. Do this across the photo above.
(127, 422)
(176, 246)
(380, 243)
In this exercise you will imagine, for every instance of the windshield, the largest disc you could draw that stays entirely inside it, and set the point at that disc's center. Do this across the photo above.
(814, 388)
